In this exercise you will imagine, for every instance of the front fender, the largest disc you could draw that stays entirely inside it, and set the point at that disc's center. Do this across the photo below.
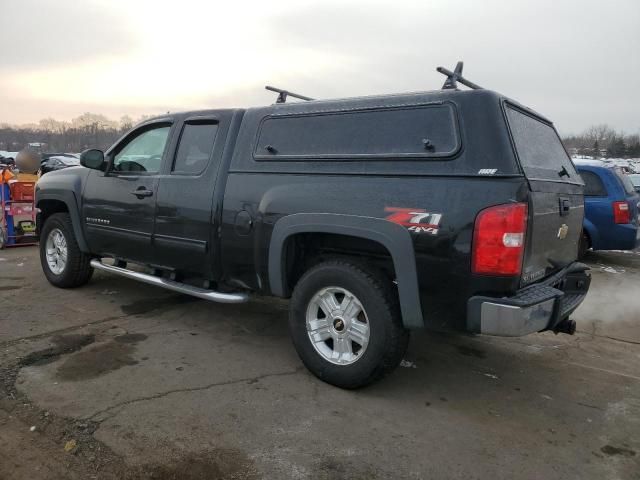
(65, 186)
(393, 237)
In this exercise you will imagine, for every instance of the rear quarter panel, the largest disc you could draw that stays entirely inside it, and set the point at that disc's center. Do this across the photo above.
(443, 258)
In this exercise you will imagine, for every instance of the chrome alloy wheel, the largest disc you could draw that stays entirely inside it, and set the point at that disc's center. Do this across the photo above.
(56, 251)
(337, 325)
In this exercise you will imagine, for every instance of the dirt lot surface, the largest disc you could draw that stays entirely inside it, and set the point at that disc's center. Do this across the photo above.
(123, 380)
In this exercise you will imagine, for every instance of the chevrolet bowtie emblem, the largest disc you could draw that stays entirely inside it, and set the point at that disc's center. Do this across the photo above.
(562, 231)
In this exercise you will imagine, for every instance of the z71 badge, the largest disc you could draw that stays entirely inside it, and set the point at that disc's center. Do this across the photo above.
(415, 219)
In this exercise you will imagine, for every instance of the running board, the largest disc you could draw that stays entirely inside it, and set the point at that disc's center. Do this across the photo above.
(171, 285)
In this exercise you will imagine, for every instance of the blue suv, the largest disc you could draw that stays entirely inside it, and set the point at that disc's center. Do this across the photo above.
(611, 208)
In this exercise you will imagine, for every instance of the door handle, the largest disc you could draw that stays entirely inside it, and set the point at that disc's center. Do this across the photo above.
(142, 192)
(565, 206)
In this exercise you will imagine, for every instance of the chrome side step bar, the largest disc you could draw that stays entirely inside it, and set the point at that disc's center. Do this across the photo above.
(171, 285)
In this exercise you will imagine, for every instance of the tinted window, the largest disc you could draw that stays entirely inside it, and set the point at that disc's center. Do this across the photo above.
(195, 148)
(626, 182)
(635, 180)
(540, 151)
(593, 186)
(144, 152)
(365, 133)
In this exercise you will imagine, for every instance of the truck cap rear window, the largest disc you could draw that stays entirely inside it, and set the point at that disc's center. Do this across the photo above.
(539, 148)
(409, 131)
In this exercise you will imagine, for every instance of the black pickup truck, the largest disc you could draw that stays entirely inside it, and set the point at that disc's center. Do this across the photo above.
(450, 209)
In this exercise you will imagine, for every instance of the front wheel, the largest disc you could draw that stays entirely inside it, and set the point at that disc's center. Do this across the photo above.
(345, 323)
(63, 263)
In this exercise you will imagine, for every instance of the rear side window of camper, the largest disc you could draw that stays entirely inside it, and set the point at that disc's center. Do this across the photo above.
(422, 131)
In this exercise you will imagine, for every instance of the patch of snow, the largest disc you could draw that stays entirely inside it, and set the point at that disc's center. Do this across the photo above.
(408, 364)
(608, 269)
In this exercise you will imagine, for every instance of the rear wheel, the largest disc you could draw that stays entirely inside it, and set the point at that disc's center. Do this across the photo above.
(63, 263)
(345, 323)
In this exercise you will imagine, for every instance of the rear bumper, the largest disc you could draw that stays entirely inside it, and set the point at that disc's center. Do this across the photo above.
(542, 306)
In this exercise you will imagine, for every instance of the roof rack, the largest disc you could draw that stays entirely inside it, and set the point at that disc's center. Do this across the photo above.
(282, 94)
(456, 76)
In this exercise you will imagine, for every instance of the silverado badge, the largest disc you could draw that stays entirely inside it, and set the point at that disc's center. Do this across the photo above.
(562, 231)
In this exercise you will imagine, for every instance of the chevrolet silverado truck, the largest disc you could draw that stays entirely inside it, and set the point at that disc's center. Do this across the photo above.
(454, 209)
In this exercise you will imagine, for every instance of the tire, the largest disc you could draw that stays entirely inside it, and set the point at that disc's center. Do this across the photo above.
(3, 238)
(76, 270)
(339, 331)
(584, 245)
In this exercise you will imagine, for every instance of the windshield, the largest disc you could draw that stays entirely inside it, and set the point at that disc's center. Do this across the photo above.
(540, 150)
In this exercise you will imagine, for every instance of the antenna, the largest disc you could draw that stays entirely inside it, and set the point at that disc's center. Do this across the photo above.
(282, 94)
(456, 76)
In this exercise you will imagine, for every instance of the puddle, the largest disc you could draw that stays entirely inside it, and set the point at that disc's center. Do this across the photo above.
(101, 359)
(611, 450)
(64, 344)
(97, 361)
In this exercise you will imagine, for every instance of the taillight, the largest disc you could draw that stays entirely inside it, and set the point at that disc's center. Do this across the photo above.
(621, 213)
(498, 240)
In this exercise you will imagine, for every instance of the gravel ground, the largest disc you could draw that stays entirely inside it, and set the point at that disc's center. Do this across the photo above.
(124, 380)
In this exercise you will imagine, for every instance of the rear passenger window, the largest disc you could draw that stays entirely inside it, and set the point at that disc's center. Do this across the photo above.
(626, 182)
(195, 148)
(420, 131)
(593, 186)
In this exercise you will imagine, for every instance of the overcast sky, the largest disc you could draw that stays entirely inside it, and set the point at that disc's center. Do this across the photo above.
(576, 61)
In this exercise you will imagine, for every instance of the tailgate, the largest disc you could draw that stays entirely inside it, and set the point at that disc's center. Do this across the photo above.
(556, 202)
(555, 226)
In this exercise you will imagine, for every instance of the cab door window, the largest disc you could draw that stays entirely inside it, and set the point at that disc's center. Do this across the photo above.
(195, 148)
(144, 152)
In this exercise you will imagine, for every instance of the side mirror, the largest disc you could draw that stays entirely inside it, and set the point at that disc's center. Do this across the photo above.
(93, 158)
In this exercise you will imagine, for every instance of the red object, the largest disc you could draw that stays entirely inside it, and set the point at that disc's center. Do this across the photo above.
(16, 198)
(22, 191)
(498, 240)
(621, 213)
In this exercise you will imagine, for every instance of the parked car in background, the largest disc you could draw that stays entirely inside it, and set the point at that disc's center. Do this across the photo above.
(8, 161)
(611, 208)
(58, 163)
(635, 180)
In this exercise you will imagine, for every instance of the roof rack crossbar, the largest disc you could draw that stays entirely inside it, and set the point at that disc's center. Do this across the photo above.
(282, 94)
(456, 76)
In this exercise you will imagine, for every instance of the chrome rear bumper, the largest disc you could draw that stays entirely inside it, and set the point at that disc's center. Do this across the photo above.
(538, 307)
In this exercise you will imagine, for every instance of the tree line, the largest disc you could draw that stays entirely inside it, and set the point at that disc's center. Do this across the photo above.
(602, 141)
(97, 131)
(49, 135)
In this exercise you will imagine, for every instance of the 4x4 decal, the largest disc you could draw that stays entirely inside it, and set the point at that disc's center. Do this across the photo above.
(415, 219)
